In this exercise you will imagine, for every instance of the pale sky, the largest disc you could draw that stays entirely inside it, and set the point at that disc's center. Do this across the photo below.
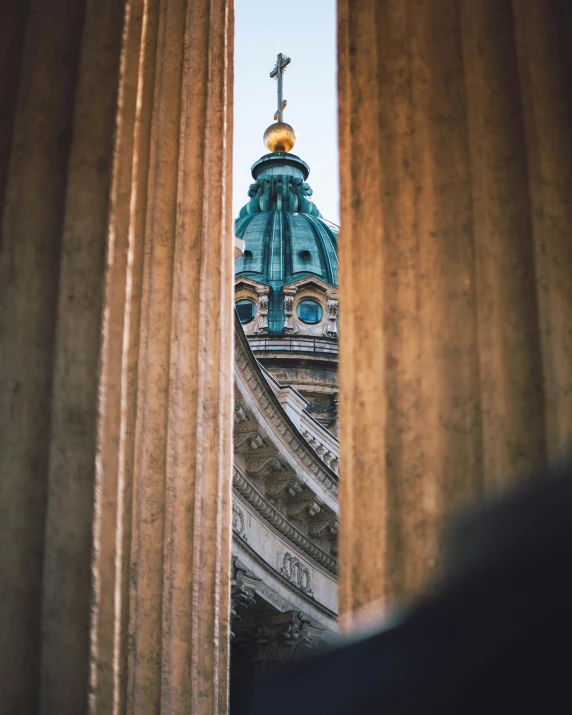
(306, 31)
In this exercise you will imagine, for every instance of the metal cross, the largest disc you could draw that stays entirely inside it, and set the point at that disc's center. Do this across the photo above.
(281, 63)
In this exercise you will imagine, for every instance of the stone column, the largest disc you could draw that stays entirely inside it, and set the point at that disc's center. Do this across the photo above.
(116, 365)
(456, 268)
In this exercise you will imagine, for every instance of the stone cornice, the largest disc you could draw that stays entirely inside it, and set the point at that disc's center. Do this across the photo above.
(274, 413)
(315, 610)
(281, 524)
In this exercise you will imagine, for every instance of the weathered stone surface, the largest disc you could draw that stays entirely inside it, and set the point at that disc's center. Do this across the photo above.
(456, 174)
(116, 370)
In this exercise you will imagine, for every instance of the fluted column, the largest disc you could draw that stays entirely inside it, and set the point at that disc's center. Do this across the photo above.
(116, 369)
(455, 268)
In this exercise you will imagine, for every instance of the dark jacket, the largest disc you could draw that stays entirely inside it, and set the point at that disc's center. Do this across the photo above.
(494, 637)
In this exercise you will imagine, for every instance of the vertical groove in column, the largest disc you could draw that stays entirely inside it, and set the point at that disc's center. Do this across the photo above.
(119, 252)
(113, 492)
(13, 23)
(226, 362)
(543, 58)
(154, 356)
(362, 371)
(456, 279)
(199, 447)
(411, 492)
(347, 523)
(67, 556)
(512, 390)
(137, 232)
(38, 141)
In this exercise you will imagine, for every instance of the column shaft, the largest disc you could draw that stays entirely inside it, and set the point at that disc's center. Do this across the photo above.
(455, 269)
(116, 370)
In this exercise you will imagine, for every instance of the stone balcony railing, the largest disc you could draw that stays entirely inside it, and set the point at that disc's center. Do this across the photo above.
(294, 344)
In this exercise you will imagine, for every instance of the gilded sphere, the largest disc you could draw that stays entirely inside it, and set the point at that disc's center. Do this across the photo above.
(280, 137)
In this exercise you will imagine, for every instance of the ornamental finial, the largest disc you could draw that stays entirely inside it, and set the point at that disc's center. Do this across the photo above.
(280, 136)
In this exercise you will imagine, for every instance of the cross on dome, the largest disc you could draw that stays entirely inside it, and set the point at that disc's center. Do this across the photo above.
(278, 73)
(280, 137)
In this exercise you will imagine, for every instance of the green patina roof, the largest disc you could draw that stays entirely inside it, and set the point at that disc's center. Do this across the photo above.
(285, 235)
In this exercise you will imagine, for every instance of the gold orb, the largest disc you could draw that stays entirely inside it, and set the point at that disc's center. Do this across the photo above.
(280, 137)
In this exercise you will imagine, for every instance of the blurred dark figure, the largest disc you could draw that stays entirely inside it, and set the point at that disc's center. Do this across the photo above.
(494, 637)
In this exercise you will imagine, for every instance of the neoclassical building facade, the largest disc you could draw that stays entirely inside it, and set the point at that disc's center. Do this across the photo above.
(286, 451)
(117, 276)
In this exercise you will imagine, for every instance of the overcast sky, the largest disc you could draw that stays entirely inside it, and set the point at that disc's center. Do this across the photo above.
(306, 31)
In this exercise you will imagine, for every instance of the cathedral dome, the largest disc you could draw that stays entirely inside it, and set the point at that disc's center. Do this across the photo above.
(286, 238)
(286, 281)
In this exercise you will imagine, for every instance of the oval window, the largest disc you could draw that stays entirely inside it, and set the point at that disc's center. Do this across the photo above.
(310, 311)
(246, 310)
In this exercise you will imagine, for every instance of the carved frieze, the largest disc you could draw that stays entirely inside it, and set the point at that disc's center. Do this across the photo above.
(238, 522)
(281, 524)
(297, 573)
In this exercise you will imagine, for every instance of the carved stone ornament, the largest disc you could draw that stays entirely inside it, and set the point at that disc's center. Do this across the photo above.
(297, 573)
(262, 293)
(278, 637)
(248, 439)
(323, 524)
(332, 313)
(264, 465)
(289, 326)
(282, 525)
(304, 504)
(242, 590)
(239, 413)
(276, 487)
(277, 421)
(238, 522)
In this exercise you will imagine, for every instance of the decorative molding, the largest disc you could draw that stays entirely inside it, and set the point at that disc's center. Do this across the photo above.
(277, 637)
(306, 502)
(281, 601)
(331, 329)
(248, 438)
(274, 598)
(289, 326)
(258, 293)
(263, 292)
(242, 590)
(261, 466)
(276, 487)
(273, 517)
(239, 413)
(238, 522)
(297, 573)
(275, 417)
(327, 523)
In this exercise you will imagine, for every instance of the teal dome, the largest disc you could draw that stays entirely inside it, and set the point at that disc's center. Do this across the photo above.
(286, 238)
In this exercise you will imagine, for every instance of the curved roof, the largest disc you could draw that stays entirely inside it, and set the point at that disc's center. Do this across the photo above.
(283, 246)
(286, 238)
